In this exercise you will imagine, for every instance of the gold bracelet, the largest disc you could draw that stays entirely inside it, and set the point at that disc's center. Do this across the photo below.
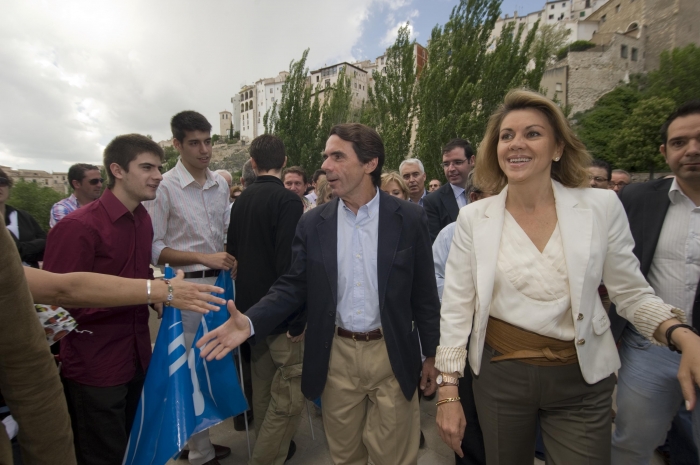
(449, 399)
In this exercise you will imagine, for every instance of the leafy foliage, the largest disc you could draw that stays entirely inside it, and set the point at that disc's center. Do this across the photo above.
(623, 126)
(464, 81)
(34, 199)
(392, 99)
(638, 144)
(171, 158)
(576, 46)
(550, 39)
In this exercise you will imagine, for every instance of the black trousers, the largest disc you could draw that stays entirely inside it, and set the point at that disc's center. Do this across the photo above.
(473, 440)
(101, 418)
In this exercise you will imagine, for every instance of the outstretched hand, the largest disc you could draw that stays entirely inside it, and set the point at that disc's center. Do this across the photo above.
(216, 344)
(194, 297)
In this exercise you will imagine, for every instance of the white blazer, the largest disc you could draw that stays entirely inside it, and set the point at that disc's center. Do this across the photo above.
(597, 245)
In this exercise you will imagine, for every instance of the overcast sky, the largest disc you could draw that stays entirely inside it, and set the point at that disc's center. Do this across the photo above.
(74, 74)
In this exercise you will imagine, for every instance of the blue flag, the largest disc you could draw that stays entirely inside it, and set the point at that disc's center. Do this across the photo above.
(183, 395)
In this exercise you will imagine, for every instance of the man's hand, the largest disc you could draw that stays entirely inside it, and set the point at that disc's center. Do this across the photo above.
(450, 420)
(234, 269)
(218, 261)
(428, 383)
(296, 339)
(194, 297)
(689, 369)
(158, 308)
(219, 342)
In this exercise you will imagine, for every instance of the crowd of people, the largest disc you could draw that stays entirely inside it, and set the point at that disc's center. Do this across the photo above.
(517, 295)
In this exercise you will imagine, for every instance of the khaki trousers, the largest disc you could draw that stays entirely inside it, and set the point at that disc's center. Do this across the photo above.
(277, 399)
(365, 413)
(574, 416)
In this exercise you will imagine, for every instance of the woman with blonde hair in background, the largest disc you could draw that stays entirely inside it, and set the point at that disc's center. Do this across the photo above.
(323, 191)
(522, 278)
(394, 185)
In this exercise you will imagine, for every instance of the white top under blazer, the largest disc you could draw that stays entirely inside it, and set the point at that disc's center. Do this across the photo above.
(597, 244)
(531, 288)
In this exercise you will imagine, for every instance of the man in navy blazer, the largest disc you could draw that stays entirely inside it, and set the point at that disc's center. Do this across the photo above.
(362, 263)
(442, 206)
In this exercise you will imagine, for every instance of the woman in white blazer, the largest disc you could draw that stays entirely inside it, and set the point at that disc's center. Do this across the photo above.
(522, 279)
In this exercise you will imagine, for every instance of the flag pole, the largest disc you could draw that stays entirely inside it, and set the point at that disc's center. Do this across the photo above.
(245, 414)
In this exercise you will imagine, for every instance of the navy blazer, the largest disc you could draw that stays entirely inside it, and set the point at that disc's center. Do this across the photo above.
(441, 208)
(408, 298)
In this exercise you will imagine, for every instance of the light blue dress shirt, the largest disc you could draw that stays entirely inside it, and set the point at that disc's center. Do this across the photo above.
(358, 296)
(422, 197)
(441, 249)
(460, 195)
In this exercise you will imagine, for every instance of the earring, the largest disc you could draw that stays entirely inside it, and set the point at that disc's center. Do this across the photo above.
(557, 159)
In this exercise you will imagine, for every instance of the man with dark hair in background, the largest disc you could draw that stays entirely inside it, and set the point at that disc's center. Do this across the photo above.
(86, 182)
(189, 218)
(294, 179)
(263, 221)
(363, 265)
(247, 174)
(664, 217)
(442, 206)
(104, 364)
(599, 174)
(434, 185)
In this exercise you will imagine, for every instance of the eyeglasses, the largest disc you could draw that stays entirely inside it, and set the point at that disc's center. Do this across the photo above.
(597, 178)
(620, 184)
(94, 182)
(4, 182)
(457, 163)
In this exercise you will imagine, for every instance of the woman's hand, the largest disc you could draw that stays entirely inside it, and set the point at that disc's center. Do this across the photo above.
(190, 296)
(450, 419)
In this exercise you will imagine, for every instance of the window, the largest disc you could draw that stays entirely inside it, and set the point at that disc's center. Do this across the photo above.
(563, 5)
(328, 82)
(617, 8)
(603, 18)
(582, 14)
(635, 54)
(558, 87)
(623, 51)
(317, 78)
(272, 90)
(551, 7)
(551, 16)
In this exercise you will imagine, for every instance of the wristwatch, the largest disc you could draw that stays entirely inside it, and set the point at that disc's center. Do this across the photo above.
(444, 380)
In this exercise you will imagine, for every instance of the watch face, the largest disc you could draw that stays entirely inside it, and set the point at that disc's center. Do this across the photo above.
(439, 379)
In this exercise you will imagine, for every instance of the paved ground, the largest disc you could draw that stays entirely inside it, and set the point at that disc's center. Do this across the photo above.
(312, 451)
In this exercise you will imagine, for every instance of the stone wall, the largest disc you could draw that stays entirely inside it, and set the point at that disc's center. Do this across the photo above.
(554, 83)
(230, 157)
(597, 71)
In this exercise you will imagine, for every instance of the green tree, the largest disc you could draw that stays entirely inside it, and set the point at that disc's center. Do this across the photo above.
(296, 119)
(467, 75)
(638, 142)
(215, 138)
(677, 76)
(34, 199)
(600, 126)
(171, 158)
(391, 100)
(550, 38)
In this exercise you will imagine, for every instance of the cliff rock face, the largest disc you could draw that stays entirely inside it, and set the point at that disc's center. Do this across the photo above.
(230, 157)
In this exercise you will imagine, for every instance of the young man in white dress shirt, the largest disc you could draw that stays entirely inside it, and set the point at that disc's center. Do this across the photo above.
(189, 222)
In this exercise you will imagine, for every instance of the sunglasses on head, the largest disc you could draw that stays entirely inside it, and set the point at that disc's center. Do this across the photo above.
(4, 182)
(94, 182)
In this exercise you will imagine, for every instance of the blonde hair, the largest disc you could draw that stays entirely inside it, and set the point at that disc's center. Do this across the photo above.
(570, 170)
(393, 176)
(322, 191)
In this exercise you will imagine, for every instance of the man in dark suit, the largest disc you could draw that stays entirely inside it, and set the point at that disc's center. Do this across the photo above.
(665, 219)
(442, 206)
(362, 263)
(263, 221)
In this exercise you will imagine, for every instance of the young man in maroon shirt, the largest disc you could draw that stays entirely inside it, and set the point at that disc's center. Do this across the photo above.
(105, 361)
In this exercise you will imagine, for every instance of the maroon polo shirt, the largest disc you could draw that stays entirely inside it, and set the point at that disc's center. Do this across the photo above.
(104, 237)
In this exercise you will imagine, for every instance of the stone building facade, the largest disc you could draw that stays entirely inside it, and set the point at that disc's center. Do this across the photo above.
(225, 124)
(57, 181)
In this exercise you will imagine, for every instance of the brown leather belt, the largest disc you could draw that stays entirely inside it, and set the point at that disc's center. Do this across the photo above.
(528, 347)
(201, 274)
(373, 335)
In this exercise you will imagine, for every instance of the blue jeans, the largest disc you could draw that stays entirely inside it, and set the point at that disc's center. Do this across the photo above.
(648, 398)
